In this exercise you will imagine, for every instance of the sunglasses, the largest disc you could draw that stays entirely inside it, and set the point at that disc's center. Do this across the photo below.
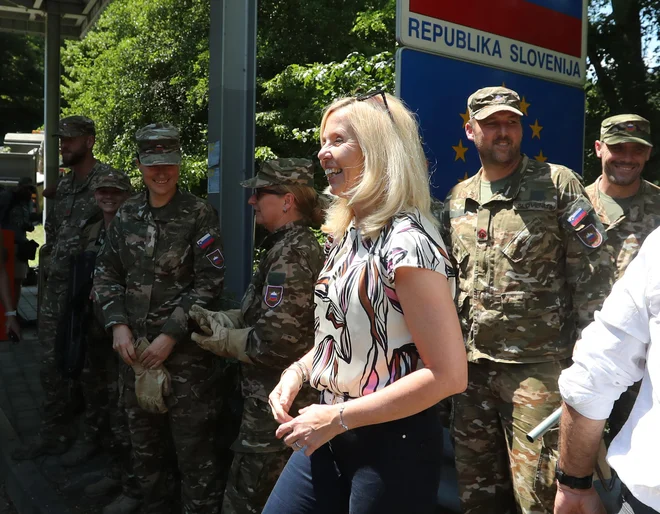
(260, 191)
(374, 93)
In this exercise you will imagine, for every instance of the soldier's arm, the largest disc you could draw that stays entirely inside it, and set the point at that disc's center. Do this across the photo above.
(285, 329)
(587, 268)
(110, 278)
(209, 263)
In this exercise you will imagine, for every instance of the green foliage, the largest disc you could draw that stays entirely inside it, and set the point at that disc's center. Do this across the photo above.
(22, 84)
(145, 61)
(623, 34)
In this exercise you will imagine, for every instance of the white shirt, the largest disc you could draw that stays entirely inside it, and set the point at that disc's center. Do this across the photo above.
(362, 342)
(619, 348)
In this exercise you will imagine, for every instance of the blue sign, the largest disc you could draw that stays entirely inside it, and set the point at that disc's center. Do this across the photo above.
(437, 88)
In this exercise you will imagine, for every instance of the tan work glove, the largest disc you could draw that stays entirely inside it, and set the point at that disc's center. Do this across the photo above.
(203, 317)
(224, 342)
(151, 385)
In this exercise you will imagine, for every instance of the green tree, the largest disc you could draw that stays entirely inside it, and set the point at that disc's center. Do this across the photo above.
(621, 36)
(22, 84)
(145, 61)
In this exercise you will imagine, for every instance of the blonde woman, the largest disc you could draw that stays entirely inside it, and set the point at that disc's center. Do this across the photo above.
(388, 345)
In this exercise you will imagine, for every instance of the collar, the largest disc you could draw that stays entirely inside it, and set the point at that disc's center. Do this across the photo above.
(636, 210)
(473, 190)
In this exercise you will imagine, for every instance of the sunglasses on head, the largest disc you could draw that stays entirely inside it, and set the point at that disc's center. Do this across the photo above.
(375, 93)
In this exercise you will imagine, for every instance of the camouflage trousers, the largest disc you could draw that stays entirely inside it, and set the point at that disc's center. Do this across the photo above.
(59, 405)
(251, 479)
(496, 465)
(105, 418)
(190, 421)
(259, 458)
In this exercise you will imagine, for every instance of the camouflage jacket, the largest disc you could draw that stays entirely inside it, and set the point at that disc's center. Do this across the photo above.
(525, 261)
(156, 263)
(72, 208)
(626, 234)
(279, 304)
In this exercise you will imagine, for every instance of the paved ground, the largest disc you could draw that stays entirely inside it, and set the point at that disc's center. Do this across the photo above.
(43, 486)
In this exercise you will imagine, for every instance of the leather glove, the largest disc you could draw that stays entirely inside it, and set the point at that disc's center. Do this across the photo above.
(204, 318)
(151, 385)
(225, 342)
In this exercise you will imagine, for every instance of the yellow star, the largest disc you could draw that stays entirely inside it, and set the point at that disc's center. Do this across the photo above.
(465, 116)
(540, 157)
(460, 150)
(536, 129)
(464, 178)
(524, 106)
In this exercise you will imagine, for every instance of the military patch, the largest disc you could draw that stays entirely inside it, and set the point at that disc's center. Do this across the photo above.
(590, 236)
(276, 278)
(576, 217)
(216, 258)
(205, 241)
(273, 296)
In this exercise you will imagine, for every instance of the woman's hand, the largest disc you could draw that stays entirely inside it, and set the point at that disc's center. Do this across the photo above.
(122, 343)
(158, 351)
(315, 426)
(281, 398)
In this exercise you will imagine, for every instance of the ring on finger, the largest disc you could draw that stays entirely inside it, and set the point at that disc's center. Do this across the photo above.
(296, 444)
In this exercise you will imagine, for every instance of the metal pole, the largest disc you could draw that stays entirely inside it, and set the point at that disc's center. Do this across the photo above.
(232, 80)
(52, 98)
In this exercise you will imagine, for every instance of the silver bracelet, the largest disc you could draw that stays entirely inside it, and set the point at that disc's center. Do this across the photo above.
(297, 372)
(341, 418)
(10, 313)
(303, 370)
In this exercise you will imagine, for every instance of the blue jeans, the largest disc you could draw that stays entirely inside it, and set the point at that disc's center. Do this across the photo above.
(388, 468)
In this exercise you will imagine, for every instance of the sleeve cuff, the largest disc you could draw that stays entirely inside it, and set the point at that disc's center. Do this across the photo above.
(177, 325)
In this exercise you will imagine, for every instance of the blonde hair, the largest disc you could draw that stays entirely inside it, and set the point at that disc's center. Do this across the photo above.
(395, 173)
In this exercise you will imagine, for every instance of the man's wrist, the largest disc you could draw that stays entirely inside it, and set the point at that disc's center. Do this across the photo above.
(10, 313)
(573, 482)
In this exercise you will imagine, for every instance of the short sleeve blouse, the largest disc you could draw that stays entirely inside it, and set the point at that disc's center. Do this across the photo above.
(362, 342)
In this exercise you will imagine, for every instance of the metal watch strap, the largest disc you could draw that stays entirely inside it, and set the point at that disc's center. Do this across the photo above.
(571, 481)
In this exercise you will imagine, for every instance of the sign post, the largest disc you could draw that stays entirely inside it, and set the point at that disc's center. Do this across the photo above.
(451, 49)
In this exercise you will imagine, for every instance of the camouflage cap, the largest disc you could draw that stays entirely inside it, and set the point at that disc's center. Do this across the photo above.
(283, 172)
(626, 128)
(74, 126)
(158, 143)
(489, 100)
(115, 179)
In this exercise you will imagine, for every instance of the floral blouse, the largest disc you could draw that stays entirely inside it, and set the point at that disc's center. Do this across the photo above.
(362, 342)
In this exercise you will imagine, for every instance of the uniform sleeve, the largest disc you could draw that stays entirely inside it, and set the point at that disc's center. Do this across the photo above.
(611, 355)
(587, 268)
(285, 329)
(110, 278)
(209, 270)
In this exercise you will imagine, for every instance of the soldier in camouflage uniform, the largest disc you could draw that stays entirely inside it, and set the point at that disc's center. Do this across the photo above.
(161, 256)
(629, 208)
(104, 418)
(524, 237)
(273, 328)
(70, 210)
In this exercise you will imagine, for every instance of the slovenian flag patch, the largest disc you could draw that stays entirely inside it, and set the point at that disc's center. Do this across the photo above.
(575, 218)
(205, 241)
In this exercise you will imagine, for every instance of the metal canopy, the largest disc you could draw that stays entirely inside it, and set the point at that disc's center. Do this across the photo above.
(29, 16)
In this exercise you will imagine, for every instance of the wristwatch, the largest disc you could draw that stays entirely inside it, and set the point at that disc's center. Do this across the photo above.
(571, 481)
